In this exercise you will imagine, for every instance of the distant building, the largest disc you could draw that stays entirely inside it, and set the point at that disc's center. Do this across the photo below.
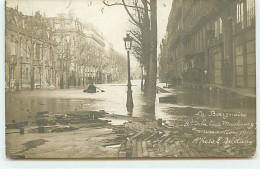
(76, 39)
(212, 42)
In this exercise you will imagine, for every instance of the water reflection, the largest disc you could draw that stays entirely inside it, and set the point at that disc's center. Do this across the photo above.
(214, 98)
(23, 105)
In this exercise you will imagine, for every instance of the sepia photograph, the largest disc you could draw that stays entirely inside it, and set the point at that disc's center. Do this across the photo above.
(130, 79)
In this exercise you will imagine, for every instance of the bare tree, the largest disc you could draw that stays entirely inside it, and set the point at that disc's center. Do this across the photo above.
(143, 14)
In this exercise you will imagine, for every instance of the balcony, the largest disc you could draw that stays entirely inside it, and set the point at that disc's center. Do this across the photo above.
(175, 38)
(198, 19)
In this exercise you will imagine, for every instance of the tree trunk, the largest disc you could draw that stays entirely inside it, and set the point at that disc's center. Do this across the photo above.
(61, 81)
(146, 32)
(153, 59)
(32, 78)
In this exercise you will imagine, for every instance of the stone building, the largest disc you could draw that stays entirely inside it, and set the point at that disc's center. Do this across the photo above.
(55, 52)
(80, 48)
(98, 52)
(29, 51)
(211, 41)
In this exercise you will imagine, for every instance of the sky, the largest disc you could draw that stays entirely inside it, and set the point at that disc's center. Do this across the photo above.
(113, 22)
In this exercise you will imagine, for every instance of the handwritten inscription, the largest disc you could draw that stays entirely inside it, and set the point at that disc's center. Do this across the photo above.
(222, 140)
(221, 132)
(223, 115)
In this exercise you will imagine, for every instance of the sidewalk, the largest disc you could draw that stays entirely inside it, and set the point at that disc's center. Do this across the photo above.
(240, 91)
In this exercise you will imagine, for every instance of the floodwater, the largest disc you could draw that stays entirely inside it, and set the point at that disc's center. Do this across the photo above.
(182, 121)
(23, 105)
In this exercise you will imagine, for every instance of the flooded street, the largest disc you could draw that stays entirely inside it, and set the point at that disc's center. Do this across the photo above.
(23, 105)
(198, 123)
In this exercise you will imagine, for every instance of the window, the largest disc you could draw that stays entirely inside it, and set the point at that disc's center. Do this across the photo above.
(38, 55)
(57, 26)
(220, 26)
(62, 25)
(13, 47)
(67, 38)
(26, 73)
(239, 66)
(67, 25)
(40, 52)
(216, 29)
(34, 51)
(240, 14)
(251, 63)
(21, 47)
(57, 39)
(250, 10)
(27, 49)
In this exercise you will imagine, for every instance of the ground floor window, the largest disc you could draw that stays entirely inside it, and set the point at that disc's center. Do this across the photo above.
(239, 67)
(251, 63)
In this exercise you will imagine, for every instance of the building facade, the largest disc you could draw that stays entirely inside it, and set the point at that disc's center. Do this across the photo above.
(55, 52)
(29, 53)
(211, 41)
(81, 47)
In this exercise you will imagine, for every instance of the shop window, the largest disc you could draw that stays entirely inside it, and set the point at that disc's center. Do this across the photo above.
(239, 61)
(251, 64)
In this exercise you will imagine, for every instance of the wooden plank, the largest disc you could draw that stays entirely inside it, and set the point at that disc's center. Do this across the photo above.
(123, 146)
(174, 150)
(145, 150)
(134, 148)
(151, 154)
(136, 135)
(193, 153)
(122, 154)
(151, 136)
(139, 149)
(182, 151)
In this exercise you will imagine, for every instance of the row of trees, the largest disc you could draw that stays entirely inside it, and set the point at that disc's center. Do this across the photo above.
(36, 56)
(143, 16)
(84, 59)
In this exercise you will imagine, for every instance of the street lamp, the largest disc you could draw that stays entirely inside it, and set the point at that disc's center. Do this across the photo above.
(129, 103)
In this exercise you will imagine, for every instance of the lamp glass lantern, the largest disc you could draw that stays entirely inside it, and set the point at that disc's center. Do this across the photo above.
(128, 42)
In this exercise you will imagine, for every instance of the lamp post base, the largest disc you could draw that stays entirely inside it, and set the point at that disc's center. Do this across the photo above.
(129, 102)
